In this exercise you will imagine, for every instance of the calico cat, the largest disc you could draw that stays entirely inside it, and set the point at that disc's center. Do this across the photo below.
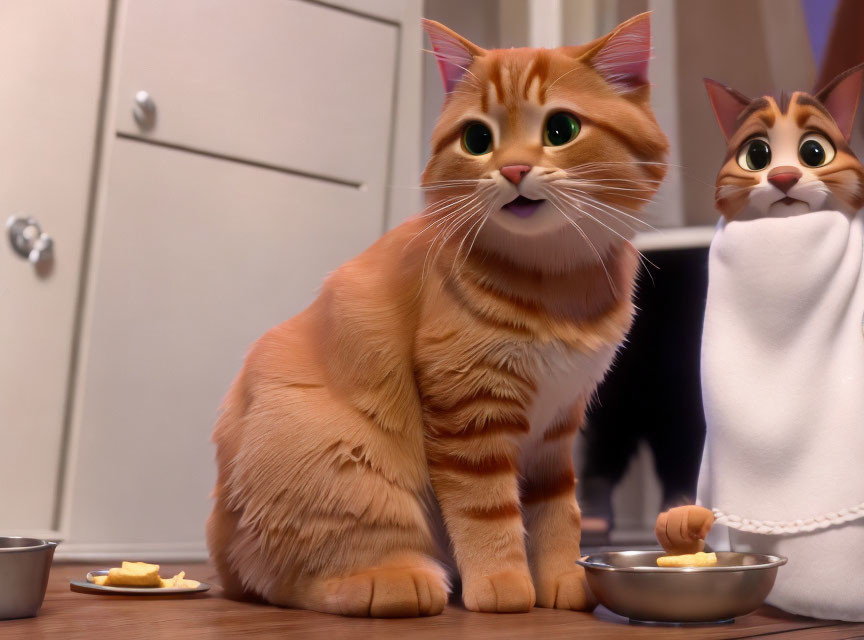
(783, 351)
(436, 384)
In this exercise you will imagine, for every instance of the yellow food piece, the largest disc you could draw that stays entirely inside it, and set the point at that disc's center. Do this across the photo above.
(141, 574)
(134, 574)
(700, 559)
(179, 582)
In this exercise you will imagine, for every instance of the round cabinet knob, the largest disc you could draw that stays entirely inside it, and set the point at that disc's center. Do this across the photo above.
(31, 243)
(43, 250)
(144, 110)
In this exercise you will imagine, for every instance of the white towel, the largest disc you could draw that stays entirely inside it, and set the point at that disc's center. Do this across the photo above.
(783, 390)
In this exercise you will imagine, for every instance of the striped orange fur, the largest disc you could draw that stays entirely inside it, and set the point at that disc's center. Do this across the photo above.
(419, 416)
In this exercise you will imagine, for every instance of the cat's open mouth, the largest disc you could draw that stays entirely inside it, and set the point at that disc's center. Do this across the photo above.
(788, 200)
(523, 207)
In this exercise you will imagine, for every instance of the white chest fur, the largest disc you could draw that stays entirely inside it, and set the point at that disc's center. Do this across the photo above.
(562, 376)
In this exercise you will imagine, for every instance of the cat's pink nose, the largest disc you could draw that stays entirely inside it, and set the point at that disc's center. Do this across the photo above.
(784, 178)
(515, 172)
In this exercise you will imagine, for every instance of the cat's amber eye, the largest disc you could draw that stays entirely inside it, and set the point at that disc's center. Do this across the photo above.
(476, 138)
(754, 154)
(561, 128)
(816, 150)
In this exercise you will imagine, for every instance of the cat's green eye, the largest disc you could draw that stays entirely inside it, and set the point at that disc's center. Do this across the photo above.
(561, 128)
(816, 150)
(477, 139)
(754, 155)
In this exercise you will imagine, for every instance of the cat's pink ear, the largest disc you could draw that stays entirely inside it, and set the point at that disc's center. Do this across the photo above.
(840, 97)
(622, 56)
(727, 104)
(453, 52)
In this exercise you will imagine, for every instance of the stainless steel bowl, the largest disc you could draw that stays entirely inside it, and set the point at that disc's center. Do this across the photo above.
(24, 567)
(631, 584)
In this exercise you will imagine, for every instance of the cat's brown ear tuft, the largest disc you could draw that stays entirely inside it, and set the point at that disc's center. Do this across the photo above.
(840, 97)
(727, 104)
(622, 56)
(453, 52)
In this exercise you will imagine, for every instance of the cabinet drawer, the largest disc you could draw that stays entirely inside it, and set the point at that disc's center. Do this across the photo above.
(192, 265)
(286, 83)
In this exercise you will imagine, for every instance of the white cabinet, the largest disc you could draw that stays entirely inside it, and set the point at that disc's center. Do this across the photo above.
(279, 127)
(285, 135)
(51, 73)
(312, 91)
(194, 263)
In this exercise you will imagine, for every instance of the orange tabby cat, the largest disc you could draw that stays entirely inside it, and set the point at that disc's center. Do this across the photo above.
(423, 409)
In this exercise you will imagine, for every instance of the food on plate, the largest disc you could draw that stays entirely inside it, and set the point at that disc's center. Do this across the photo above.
(700, 559)
(179, 582)
(141, 574)
(132, 574)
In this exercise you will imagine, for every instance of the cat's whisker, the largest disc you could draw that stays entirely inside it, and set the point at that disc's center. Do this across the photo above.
(426, 263)
(607, 209)
(481, 220)
(443, 213)
(452, 225)
(599, 166)
(439, 187)
(608, 189)
(440, 242)
(471, 180)
(603, 185)
(553, 201)
(599, 189)
(453, 184)
(598, 203)
(579, 201)
(445, 218)
(474, 210)
(447, 183)
(477, 233)
(583, 176)
(649, 184)
(598, 163)
(599, 211)
(458, 213)
(600, 174)
(463, 187)
(438, 207)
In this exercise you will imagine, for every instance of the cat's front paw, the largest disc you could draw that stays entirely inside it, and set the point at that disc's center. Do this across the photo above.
(399, 592)
(508, 591)
(568, 590)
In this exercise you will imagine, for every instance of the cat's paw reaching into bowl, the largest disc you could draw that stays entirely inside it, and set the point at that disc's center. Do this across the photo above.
(683, 529)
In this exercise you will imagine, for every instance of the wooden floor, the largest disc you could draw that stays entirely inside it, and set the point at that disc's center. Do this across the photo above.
(67, 614)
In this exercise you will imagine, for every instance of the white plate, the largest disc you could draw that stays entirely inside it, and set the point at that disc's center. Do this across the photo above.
(92, 587)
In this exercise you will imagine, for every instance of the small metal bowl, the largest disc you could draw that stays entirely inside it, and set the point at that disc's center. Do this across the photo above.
(631, 584)
(24, 567)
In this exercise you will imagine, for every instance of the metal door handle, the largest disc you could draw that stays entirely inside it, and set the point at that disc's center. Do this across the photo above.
(31, 243)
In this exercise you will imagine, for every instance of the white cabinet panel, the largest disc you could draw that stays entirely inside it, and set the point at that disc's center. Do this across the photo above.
(197, 257)
(288, 83)
(51, 57)
(393, 10)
